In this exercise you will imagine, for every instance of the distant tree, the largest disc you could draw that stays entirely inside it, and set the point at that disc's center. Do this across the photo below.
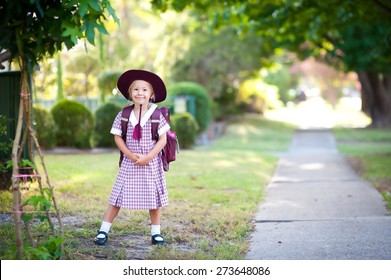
(221, 60)
(86, 65)
(107, 82)
(349, 35)
(329, 81)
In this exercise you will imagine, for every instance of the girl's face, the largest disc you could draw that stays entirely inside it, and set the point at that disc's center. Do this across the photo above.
(141, 92)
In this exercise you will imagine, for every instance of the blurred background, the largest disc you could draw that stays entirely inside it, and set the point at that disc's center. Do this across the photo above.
(313, 64)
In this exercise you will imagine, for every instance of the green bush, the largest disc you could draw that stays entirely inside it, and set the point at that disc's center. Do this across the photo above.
(104, 117)
(44, 126)
(203, 103)
(74, 124)
(186, 129)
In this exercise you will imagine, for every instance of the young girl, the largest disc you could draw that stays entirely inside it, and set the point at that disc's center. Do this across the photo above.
(140, 183)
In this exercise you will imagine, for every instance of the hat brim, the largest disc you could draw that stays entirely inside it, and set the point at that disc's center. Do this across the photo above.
(128, 77)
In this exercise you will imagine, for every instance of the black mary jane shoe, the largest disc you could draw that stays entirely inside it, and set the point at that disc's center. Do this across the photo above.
(101, 240)
(156, 241)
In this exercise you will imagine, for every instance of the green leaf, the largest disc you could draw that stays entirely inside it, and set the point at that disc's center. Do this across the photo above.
(101, 28)
(39, 8)
(9, 164)
(83, 8)
(73, 33)
(47, 192)
(89, 31)
(94, 4)
(42, 217)
(26, 163)
(39, 202)
(26, 217)
(112, 13)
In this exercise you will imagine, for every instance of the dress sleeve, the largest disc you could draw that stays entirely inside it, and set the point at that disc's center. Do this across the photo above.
(163, 126)
(116, 128)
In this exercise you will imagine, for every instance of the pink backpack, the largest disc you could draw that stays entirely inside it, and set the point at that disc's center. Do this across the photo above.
(171, 148)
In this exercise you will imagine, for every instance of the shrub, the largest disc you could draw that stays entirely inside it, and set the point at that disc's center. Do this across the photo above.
(104, 117)
(203, 113)
(44, 127)
(186, 129)
(74, 124)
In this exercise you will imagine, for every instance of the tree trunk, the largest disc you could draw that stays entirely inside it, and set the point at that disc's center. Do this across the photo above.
(15, 167)
(60, 89)
(375, 97)
(86, 85)
(387, 84)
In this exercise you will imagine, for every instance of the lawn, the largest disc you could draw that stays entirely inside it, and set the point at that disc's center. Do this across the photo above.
(214, 191)
(369, 153)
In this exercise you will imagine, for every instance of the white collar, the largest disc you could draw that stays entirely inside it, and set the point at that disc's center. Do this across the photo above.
(134, 121)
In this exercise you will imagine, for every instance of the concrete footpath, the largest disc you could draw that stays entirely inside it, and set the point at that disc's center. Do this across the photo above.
(317, 208)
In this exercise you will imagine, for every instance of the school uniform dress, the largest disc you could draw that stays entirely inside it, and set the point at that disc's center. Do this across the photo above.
(140, 187)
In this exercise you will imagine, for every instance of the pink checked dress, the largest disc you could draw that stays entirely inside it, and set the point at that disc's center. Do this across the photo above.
(140, 187)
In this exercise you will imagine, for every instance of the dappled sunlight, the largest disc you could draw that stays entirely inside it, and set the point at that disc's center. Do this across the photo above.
(246, 128)
(312, 166)
(282, 203)
(253, 132)
(224, 163)
(202, 171)
(316, 113)
(245, 132)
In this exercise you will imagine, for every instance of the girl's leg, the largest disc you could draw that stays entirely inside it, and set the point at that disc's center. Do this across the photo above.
(111, 213)
(155, 226)
(155, 216)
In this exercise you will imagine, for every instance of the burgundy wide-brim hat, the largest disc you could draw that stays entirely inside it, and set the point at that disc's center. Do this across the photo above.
(128, 77)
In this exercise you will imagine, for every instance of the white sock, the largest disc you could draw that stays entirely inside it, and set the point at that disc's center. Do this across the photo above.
(155, 229)
(104, 227)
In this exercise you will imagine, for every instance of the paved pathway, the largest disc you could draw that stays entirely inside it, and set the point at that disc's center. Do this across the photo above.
(317, 208)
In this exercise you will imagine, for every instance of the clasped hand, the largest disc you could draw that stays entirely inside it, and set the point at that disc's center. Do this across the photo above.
(141, 159)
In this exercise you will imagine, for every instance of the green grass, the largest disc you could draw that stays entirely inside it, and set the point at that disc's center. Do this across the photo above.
(214, 192)
(369, 152)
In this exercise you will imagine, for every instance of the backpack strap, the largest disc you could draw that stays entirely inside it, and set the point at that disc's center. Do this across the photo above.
(165, 112)
(155, 120)
(125, 115)
(125, 119)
